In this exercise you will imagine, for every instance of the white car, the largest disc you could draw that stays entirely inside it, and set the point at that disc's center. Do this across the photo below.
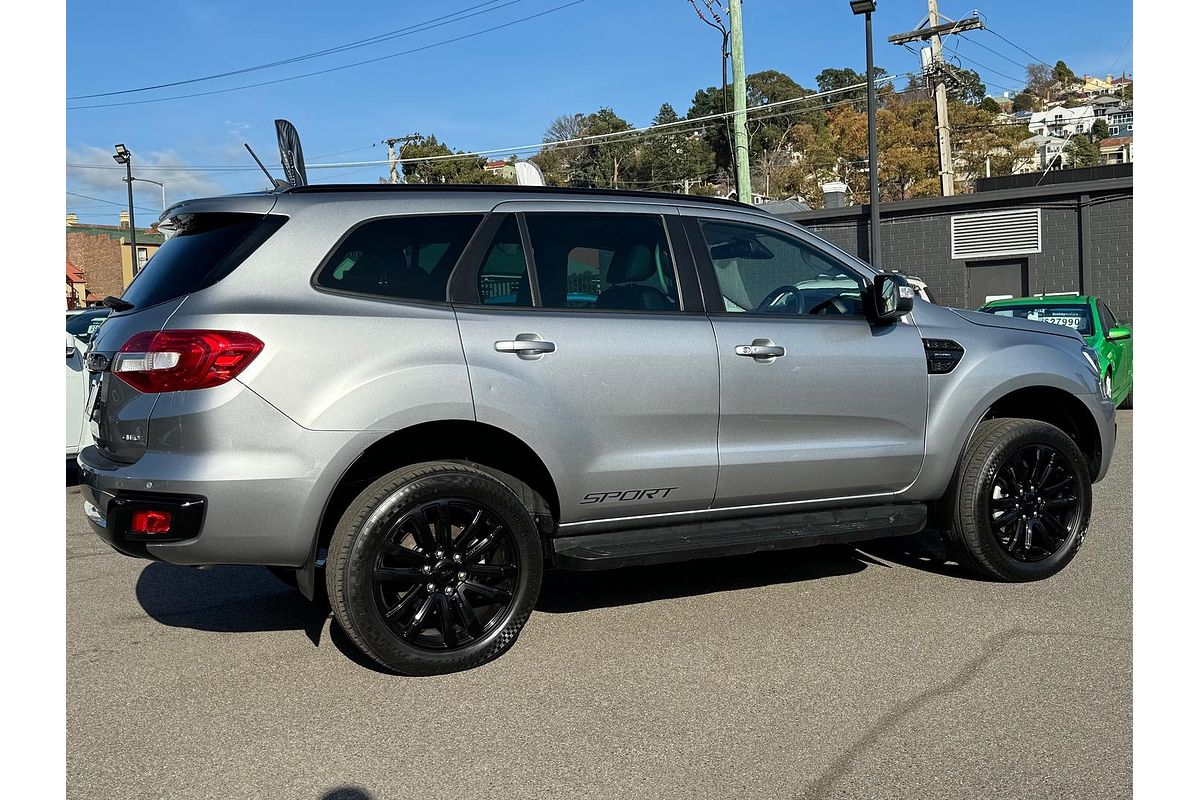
(81, 327)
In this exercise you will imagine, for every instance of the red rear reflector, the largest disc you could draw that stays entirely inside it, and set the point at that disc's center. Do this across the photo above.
(151, 522)
(171, 361)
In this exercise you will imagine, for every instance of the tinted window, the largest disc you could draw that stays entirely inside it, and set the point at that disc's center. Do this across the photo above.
(503, 279)
(204, 249)
(403, 257)
(1076, 317)
(766, 272)
(85, 322)
(605, 261)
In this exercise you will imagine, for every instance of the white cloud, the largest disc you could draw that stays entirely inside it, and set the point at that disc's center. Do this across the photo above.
(100, 176)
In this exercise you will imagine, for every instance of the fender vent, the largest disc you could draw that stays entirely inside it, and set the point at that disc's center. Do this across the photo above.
(942, 355)
(996, 233)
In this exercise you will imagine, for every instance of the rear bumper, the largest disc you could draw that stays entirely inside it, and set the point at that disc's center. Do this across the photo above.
(262, 481)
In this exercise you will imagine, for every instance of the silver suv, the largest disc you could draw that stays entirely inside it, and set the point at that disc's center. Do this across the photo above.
(416, 399)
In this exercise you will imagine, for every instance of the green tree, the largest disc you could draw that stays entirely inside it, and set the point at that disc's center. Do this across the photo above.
(970, 86)
(1026, 102)
(1100, 129)
(672, 156)
(1081, 151)
(1063, 74)
(557, 162)
(466, 169)
(600, 162)
(989, 105)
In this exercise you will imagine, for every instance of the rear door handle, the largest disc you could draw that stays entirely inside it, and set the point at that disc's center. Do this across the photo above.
(761, 350)
(528, 346)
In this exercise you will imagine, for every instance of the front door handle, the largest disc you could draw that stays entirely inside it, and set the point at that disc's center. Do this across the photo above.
(528, 346)
(761, 350)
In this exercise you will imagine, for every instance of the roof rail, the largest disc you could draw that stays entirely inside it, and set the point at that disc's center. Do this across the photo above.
(506, 188)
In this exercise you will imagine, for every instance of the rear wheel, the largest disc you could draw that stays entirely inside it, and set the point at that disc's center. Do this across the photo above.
(1021, 501)
(434, 568)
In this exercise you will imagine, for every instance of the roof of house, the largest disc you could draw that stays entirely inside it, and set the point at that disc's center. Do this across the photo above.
(1116, 141)
(144, 235)
(74, 273)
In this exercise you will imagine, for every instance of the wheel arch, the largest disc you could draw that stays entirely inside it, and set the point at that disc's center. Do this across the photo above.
(1055, 407)
(486, 447)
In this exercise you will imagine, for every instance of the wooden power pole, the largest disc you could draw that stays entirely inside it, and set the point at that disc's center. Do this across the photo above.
(394, 154)
(932, 29)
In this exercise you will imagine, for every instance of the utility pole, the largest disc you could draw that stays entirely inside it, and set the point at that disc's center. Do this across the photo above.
(394, 174)
(741, 139)
(931, 29)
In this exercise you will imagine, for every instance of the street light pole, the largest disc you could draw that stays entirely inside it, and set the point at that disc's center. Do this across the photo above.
(159, 185)
(123, 157)
(865, 8)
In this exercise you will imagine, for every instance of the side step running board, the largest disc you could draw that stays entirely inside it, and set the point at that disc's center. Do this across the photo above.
(716, 538)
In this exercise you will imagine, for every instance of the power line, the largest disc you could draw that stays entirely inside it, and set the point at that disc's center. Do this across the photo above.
(628, 133)
(383, 37)
(110, 202)
(333, 69)
(995, 52)
(1022, 49)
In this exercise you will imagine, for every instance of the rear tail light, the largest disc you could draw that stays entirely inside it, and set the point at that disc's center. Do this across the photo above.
(171, 361)
(150, 522)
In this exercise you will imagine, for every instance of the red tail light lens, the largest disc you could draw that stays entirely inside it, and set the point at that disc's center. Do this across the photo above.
(150, 522)
(172, 361)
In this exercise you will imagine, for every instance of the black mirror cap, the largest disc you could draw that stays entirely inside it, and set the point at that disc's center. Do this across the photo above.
(891, 298)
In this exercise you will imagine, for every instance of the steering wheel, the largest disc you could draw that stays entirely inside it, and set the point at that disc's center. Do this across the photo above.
(787, 289)
(841, 304)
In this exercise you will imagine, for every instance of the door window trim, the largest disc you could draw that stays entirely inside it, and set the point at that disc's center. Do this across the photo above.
(713, 299)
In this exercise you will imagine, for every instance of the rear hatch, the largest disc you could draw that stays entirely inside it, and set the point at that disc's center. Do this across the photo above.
(203, 247)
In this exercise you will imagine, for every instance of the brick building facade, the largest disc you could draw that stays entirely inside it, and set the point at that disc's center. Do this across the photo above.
(102, 253)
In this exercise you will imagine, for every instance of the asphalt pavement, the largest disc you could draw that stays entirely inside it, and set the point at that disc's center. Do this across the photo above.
(837, 672)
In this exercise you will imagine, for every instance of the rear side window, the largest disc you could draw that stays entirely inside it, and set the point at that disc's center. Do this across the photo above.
(406, 258)
(603, 261)
(203, 249)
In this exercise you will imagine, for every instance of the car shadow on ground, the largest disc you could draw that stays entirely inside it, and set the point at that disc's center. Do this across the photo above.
(233, 599)
(72, 473)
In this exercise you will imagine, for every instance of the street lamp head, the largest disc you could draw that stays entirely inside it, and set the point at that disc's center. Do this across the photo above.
(122, 156)
(862, 6)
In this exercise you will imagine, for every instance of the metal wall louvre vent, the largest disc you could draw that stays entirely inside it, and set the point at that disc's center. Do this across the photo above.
(996, 233)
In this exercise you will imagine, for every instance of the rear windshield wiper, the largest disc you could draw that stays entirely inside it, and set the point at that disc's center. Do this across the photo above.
(116, 303)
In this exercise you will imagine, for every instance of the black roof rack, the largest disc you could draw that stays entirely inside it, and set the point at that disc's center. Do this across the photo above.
(506, 188)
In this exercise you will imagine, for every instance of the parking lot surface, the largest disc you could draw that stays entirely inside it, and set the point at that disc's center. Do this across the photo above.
(876, 672)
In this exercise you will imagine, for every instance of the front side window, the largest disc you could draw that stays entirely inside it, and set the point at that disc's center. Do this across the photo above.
(402, 257)
(603, 261)
(765, 272)
(1108, 320)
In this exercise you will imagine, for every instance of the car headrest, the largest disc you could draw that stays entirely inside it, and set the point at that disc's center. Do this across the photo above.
(632, 265)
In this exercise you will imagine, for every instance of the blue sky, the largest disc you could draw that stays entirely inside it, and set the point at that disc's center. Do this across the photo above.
(497, 89)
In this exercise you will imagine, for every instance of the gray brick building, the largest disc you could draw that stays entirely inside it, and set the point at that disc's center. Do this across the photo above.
(1084, 241)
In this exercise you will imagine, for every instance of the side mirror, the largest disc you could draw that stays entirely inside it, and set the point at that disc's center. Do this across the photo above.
(891, 298)
(1119, 332)
(70, 346)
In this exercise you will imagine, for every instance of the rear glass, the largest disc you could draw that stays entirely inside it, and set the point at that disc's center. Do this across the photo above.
(400, 257)
(81, 324)
(1076, 317)
(206, 248)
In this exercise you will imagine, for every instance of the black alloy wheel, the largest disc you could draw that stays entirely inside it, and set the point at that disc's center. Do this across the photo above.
(446, 574)
(1036, 505)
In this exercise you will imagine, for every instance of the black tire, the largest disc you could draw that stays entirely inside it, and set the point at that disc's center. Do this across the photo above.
(487, 559)
(1006, 530)
(1128, 401)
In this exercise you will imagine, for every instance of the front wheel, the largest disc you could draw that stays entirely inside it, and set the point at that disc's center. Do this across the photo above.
(434, 568)
(1021, 501)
